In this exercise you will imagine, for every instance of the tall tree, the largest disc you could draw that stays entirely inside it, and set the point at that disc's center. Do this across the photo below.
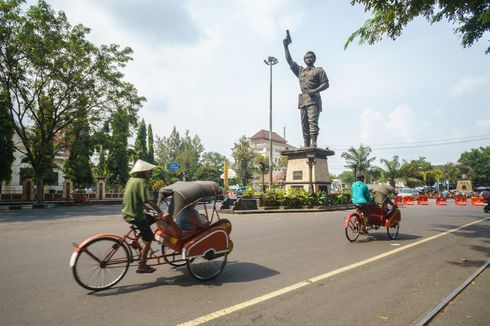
(7, 147)
(358, 159)
(140, 146)
(102, 164)
(243, 156)
(478, 160)
(151, 148)
(167, 148)
(52, 74)
(211, 167)
(78, 165)
(452, 172)
(262, 164)
(188, 156)
(389, 18)
(392, 169)
(118, 158)
(184, 150)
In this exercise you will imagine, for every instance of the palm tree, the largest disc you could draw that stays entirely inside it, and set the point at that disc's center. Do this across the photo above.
(262, 162)
(392, 170)
(425, 175)
(358, 159)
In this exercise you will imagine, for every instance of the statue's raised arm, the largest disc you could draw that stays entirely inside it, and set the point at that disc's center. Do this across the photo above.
(286, 43)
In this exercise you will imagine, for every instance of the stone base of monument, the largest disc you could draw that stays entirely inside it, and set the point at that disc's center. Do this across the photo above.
(302, 162)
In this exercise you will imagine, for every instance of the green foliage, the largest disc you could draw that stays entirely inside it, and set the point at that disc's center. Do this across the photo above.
(345, 198)
(243, 156)
(140, 145)
(6, 140)
(102, 165)
(54, 75)
(262, 165)
(347, 177)
(151, 148)
(300, 197)
(478, 162)
(452, 172)
(392, 169)
(415, 171)
(158, 175)
(250, 192)
(78, 165)
(118, 157)
(272, 197)
(358, 160)
(472, 18)
(185, 150)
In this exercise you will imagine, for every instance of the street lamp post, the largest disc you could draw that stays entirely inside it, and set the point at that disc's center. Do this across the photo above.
(270, 62)
(311, 162)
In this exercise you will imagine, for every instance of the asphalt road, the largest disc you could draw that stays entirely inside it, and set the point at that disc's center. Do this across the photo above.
(286, 269)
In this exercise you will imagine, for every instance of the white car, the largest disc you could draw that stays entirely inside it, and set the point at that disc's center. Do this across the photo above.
(408, 192)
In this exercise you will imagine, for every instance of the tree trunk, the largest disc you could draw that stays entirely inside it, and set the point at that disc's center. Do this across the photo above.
(39, 190)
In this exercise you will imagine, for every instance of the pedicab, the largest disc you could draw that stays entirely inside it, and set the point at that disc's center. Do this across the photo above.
(381, 214)
(101, 261)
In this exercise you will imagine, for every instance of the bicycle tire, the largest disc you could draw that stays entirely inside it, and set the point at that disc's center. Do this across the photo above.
(206, 267)
(393, 234)
(353, 229)
(100, 275)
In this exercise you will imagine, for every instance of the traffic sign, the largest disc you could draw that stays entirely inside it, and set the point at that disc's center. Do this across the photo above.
(174, 166)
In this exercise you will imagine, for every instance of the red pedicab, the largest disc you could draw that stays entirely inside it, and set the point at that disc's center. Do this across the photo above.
(380, 215)
(101, 261)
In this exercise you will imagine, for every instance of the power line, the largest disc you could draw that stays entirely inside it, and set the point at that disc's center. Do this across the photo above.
(422, 143)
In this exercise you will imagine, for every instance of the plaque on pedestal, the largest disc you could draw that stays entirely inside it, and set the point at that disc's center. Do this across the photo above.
(308, 169)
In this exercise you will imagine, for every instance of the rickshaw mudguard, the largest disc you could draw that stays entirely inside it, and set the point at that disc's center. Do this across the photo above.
(101, 235)
(79, 247)
(215, 239)
(348, 218)
(393, 218)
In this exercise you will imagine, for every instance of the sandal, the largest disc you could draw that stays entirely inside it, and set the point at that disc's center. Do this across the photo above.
(145, 269)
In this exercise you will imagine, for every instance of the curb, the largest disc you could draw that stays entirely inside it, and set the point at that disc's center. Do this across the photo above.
(289, 210)
(24, 205)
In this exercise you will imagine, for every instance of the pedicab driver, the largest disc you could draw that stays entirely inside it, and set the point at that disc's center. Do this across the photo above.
(361, 198)
(136, 195)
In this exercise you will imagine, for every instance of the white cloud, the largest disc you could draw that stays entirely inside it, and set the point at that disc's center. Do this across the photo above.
(469, 84)
(399, 125)
(483, 123)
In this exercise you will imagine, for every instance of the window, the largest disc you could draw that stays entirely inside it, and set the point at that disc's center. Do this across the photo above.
(297, 175)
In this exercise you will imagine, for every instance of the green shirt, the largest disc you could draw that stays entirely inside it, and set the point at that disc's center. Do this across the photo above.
(136, 194)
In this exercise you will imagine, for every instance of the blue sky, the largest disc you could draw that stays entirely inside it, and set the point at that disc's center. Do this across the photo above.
(200, 65)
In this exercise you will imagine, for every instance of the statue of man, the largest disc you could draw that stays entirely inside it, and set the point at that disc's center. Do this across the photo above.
(312, 80)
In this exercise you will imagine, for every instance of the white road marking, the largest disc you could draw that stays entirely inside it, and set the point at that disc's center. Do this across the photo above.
(274, 294)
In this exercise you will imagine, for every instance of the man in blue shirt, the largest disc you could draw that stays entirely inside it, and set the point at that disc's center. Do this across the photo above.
(361, 198)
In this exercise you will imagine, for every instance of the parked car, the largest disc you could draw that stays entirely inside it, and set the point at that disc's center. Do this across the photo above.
(408, 192)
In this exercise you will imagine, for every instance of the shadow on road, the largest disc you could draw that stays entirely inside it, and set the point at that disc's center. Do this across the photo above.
(382, 236)
(55, 213)
(473, 231)
(234, 272)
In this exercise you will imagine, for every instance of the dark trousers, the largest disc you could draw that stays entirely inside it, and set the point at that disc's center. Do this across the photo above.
(309, 121)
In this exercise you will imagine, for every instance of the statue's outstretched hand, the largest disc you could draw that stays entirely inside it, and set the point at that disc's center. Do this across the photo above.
(286, 42)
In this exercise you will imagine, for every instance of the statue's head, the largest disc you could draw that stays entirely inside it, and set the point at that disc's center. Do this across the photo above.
(310, 58)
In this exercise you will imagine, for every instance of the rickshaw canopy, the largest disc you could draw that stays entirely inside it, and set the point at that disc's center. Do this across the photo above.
(185, 193)
(384, 189)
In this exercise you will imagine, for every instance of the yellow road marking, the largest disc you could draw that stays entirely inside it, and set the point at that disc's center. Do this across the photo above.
(273, 294)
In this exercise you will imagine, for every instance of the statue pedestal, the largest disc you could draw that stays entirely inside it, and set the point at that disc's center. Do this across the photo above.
(308, 169)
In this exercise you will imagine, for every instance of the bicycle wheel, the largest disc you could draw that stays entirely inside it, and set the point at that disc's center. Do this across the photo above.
(208, 266)
(100, 264)
(353, 229)
(393, 231)
(172, 257)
